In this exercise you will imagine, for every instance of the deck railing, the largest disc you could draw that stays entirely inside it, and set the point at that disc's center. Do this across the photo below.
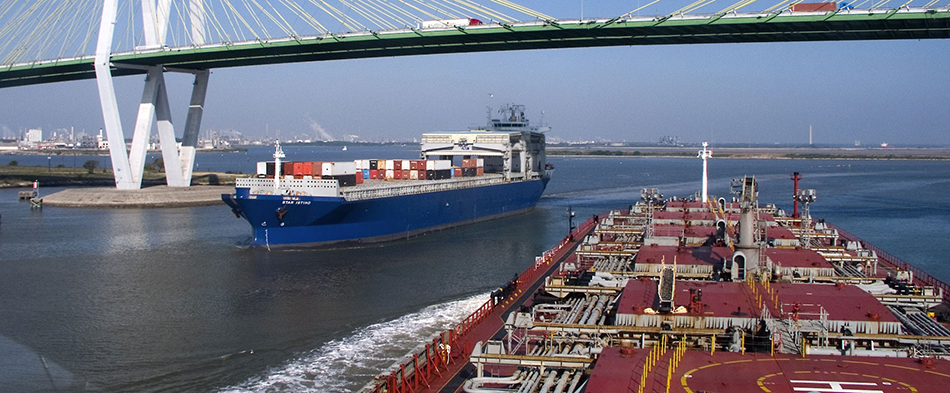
(919, 275)
(451, 346)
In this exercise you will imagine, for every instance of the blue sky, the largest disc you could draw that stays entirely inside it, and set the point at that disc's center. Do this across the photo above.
(881, 91)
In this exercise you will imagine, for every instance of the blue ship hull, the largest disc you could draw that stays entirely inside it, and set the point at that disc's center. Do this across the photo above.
(307, 220)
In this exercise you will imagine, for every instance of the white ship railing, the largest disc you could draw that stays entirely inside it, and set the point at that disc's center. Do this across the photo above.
(428, 186)
(294, 187)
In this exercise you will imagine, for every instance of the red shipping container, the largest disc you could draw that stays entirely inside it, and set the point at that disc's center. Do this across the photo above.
(479, 171)
(359, 179)
(316, 168)
(397, 174)
(458, 172)
(397, 165)
(288, 169)
(414, 165)
(405, 174)
(373, 174)
(814, 7)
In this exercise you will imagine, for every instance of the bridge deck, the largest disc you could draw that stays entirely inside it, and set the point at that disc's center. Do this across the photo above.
(915, 23)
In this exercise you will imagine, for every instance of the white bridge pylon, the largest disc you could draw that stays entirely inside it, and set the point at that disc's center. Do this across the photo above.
(128, 166)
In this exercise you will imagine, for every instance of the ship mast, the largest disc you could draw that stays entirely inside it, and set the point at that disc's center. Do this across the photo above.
(705, 154)
(278, 154)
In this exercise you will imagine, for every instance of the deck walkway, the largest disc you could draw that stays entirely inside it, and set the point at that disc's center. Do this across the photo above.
(492, 327)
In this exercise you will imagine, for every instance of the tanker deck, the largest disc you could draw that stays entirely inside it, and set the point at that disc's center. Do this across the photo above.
(690, 296)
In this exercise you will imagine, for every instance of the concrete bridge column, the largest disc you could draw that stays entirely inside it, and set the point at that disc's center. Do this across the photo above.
(129, 166)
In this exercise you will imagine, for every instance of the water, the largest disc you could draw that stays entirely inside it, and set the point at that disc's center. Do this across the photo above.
(173, 299)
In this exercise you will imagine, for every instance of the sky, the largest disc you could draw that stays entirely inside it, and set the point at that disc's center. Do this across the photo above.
(867, 91)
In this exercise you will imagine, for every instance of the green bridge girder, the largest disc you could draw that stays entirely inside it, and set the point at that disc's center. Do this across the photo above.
(840, 26)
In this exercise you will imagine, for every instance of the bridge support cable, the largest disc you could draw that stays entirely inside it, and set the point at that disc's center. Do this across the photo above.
(129, 166)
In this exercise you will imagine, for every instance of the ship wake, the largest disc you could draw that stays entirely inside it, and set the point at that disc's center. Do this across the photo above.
(349, 363)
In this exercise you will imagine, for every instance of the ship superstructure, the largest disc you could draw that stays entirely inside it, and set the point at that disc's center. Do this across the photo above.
(689, 295)
(462, 177)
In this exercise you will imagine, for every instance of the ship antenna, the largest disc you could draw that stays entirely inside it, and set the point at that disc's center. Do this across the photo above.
(278, 154)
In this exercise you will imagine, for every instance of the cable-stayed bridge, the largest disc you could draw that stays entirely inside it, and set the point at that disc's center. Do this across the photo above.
(50, 41)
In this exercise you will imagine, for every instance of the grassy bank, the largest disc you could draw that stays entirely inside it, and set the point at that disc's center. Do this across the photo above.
(23, 176)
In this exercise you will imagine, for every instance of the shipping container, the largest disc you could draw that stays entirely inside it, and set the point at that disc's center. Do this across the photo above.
(262, 168)
(406, 165)
(469, 172)
(338, 168)
(457, 172)
(359, 178)
(390, 164)
(397, 165)
(469, 163)
(414, 174)
(405, 174)
(430, 175)
(389, 174)
(316, 168)
(479, 171)
(479, 162)
(397, 174)
(372, 164)
(270, 169)
(413, 165)
(814, 7)
(364, 164)
(374, 174)
(366, 173)
(288, 168)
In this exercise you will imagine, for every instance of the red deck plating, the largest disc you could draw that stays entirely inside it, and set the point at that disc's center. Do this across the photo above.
(732, 372)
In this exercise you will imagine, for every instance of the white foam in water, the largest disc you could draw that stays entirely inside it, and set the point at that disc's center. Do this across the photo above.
(349, 363)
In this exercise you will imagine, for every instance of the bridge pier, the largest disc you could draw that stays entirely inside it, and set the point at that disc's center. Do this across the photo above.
(129, 166)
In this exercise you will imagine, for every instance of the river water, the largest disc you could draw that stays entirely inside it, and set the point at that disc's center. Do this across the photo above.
(174, 300)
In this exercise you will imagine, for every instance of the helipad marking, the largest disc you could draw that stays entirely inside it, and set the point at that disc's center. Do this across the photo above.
(738, 361)
(903, 367)
(833, 386)
(857, 362)
(761, 383)
(940, 374)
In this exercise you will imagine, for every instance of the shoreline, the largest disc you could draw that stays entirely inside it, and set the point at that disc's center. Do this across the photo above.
(24, 176)
(889, 154)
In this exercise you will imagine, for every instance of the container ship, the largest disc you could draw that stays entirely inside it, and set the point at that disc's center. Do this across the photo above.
(462, 177)
(697, 295)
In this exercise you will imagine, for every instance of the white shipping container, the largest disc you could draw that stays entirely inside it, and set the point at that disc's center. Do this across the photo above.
(358, 164)
(390, 174)
(405, 165)
(480, 163)
(441, 165)
(262, 167)
(430, 165)
(338, 168)
(390, 164)
(364, 164)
